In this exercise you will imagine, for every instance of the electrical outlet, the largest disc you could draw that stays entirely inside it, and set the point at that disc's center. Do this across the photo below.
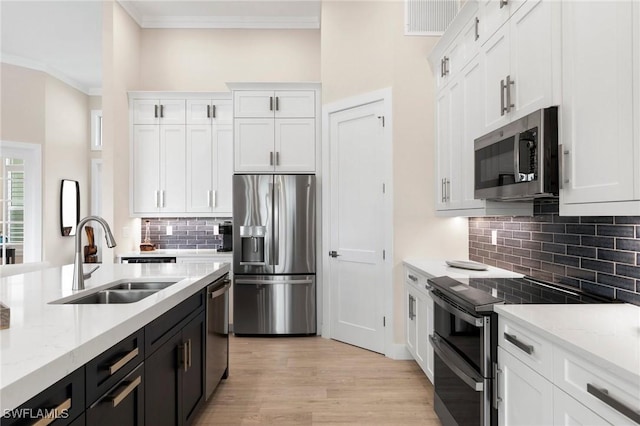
(494, 237)
(216, 230)
(169, 230)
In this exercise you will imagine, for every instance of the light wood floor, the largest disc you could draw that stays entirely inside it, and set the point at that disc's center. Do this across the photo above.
(311, 380)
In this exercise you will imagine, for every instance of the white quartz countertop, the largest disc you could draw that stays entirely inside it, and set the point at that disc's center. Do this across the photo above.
(438, 268)
(607, 335)
(178, 253)
(46, 342)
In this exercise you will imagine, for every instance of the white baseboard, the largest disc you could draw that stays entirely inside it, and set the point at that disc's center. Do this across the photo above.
(399, 351)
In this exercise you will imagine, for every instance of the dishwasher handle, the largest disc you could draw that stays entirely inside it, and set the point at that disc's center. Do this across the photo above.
(221, 290)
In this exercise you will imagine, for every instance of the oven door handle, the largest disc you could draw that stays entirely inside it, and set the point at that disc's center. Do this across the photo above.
(475, 321)
(456, 364)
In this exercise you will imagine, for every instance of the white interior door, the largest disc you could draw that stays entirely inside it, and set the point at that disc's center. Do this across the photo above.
(356, 275)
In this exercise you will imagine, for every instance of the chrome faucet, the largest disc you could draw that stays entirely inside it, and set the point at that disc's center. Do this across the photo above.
(78, 272)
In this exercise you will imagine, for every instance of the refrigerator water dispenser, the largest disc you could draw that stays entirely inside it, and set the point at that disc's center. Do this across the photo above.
(252, 245)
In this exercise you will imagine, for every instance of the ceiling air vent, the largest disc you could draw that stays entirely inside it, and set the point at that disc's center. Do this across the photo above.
(429, 17)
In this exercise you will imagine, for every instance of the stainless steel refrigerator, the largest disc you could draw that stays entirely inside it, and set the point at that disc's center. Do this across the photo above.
(274, 255)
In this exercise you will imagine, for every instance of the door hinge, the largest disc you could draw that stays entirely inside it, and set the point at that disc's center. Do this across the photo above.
(384, 321)
(381, 118)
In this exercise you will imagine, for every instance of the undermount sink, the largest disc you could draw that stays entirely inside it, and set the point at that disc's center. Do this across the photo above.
(124, 291)
(113, 296)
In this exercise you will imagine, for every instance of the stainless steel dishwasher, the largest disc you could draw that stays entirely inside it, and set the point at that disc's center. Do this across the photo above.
(217, 361)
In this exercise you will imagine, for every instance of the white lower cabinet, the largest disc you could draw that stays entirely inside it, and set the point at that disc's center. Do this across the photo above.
(540, 382)
(419, 320)
(525, 397)
(569, 412)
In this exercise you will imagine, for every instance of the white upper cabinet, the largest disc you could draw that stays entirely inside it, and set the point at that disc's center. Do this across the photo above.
(522, 63)
(600, 112)
(277, 104)
(495, 13)
(159, 111)
(206, 111)
(158, 169)
(184, 168)
(275, 131)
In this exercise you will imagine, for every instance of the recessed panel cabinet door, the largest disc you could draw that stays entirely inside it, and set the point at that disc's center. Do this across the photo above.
(161, 389)
(254, 144)
(295, 104)
(597, 108)
(173, 165)
(496, 64)
(443, 167)
(199, 168)
(146, 168)
(223, 160)
(193, 377)
(295, 145)
(253, 103)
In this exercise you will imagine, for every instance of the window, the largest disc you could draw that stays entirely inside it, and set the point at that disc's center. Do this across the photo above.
(96, 130)
(20, 203)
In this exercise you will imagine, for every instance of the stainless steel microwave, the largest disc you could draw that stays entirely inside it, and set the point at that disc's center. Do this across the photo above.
(520, 160)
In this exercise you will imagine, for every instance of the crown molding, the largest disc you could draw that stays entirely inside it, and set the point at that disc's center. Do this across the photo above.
(20, 61)
(220, 22)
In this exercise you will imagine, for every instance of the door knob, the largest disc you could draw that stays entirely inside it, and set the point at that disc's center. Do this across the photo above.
(333, 253)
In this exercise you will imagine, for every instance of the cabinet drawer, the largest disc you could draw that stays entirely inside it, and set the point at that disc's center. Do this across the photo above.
(614, 398)
(415, 278)
(122, 405)
(157, 332)
(528, 346)
(65, 399)
(104, 371)
(569, 412)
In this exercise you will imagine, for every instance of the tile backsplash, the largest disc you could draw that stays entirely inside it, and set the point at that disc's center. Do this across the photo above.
(599, 254)
(188, 233)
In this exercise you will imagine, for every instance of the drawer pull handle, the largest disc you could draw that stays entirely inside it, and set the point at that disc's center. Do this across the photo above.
(413, 277)
(123, 361)
(51, 416)
(126, 391)
(603, 395)
(523, 346)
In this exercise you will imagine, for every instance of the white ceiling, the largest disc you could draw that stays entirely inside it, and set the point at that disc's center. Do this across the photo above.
(64, 38)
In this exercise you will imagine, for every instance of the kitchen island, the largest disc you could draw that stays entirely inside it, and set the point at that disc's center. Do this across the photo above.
(48, 341)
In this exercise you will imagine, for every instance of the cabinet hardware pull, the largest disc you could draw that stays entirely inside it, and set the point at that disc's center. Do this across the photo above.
(155, 111)
(446, 65)
(412, 277)
(189, 353)
(496, 374)
(442, 67)
(213, 108)
(448, 188)
(508, 89)
(213, 198)
(603, 395)
(277, 103)
(161, 111)
(157, 196)
(208, 111)
(503, 3)
(270, 103)
(565, 154)
(185, 355)
(126, 391)
(271, 158)
(502, 107)
(65, 405)
(208, 198)
(520, 345)
(123, 361)
(410, 308)
(162, 198)
(277, 158)
(477, 24)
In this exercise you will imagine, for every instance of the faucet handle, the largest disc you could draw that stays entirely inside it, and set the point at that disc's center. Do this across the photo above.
(88, 273)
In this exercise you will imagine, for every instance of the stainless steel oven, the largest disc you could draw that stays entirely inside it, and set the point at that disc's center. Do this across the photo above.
(463, 353)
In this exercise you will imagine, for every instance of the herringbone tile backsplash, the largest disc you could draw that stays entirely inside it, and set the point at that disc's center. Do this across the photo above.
(597, 254)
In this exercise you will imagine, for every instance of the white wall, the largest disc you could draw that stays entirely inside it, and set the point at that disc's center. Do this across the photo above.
(206, 60)
(38, 108)
(364, 49)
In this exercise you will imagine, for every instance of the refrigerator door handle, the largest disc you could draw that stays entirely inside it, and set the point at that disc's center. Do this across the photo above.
(276, 224)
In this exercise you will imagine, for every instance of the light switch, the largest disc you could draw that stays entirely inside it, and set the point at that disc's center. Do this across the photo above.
(216, 230)
(494, 237)
(169, 230)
